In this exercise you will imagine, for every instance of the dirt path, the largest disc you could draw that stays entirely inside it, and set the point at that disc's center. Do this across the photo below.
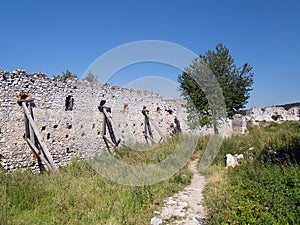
(184, 207)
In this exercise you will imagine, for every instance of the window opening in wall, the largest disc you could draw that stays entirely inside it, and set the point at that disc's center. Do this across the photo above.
(126, 109)
(158, 110)
(69, 103)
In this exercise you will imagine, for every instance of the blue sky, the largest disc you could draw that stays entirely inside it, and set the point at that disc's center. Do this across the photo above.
(52, 36)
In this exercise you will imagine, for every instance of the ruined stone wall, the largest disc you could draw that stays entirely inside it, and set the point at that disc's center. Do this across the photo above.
(76, 132)
(273, 113)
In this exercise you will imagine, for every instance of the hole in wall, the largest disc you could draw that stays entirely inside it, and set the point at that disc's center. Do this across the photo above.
(158, 110)
(67, 135)
(55, 126)
(69, 126)
(48, 136)
(93, 126)
(125, 109)
(69, 103)
(169, 111)
(43, 128)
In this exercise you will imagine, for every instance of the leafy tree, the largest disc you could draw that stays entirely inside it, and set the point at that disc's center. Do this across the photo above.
(90, 77)
(67, 75)
(234, 81)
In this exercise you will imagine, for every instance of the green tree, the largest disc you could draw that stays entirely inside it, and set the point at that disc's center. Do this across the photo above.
(67, 75)
(90, 77)
(234, 81)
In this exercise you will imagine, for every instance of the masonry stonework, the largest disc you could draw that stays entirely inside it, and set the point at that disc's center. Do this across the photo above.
(67, 115)
(66, 112)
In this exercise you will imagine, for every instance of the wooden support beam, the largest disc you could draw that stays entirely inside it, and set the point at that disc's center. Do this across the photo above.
(27, 130)
(31, 132)
(148, 127)
(36, 151)
(107, 139)
(107, 115)
(39, 138)
(151, 139)
(157, 129)
(107, 124)
(32, 137)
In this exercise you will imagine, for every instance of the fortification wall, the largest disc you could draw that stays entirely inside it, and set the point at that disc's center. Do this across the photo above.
(76, 132)
(273, 113)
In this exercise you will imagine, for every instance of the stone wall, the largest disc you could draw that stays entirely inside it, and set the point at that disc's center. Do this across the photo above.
(273, 113)
(76, 132)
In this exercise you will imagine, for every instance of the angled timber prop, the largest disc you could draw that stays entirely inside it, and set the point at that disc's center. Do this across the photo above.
(32, 135)
(148, 130)
(107, 125)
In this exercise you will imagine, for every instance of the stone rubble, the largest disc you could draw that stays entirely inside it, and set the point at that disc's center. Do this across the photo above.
(273, 113)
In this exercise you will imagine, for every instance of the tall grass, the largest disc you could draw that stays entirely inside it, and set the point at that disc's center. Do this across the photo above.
(79, 195)
(265, 189)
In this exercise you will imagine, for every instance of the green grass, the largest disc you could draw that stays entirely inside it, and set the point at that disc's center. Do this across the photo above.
(79, 195)
(265, 189)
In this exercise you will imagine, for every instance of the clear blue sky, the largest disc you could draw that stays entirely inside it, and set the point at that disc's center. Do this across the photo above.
(52, 36)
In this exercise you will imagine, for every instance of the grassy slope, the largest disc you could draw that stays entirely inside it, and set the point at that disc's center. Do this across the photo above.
(265, 189)
(78, 195)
